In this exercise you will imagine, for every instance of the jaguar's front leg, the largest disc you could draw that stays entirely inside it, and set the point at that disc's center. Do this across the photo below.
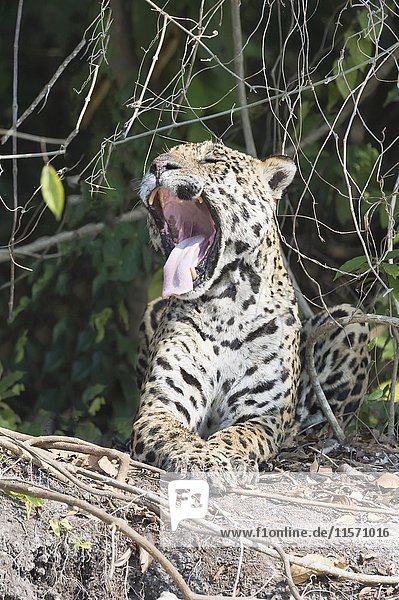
(162, 439)
(174, 402)
(255, 419)
(247, 446)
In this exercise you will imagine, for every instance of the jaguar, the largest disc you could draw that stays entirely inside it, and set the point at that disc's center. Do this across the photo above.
(221, 361)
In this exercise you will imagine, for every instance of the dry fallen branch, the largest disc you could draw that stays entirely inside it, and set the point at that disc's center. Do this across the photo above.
(24, 449)
(120, 524)
(363, 509)
(18, 444)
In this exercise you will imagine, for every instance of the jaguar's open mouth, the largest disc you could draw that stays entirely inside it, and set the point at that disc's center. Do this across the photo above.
(190, 234)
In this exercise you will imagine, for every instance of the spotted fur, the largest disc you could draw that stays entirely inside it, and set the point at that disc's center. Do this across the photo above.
(220, 367)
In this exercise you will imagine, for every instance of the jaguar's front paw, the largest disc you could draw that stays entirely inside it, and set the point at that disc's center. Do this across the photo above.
(222, 472)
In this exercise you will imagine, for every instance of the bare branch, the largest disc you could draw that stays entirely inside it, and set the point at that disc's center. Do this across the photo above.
(14, 161)
(139, 102)
(277, 96)
(42, 139)
(120, 524)
(44, 243)
(46, 89)
(239, 68)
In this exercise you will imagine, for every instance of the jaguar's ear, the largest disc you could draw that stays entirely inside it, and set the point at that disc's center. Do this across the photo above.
(278, 172)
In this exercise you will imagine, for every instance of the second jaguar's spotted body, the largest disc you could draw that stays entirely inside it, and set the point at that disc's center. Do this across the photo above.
(220, 366)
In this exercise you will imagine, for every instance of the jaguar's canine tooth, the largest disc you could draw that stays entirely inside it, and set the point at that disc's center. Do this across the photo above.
(152, 196)
(161, 198)
(199, 199)
(193, 273)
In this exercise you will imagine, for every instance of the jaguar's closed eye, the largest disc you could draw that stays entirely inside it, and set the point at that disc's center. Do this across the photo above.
(211, 161)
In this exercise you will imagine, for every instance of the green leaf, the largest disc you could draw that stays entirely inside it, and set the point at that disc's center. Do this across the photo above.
(52, 190)
(123, 314)
(54, 358)
(372, 23)
(99, 321)
(372, 344)
(390, 269)
(55, 527)
(91, 392)
(359, 51)
(78, 544)
(8, 418)
(30, 502)
(7, 383)
(345, 82)
(23, 304)
(393, 283)
(96, 405)
(376, 395)
(58, 526)
(85, 340)
(81, 368)
(20, 346)
(354, 265)
(87, 431)
(392, 254)
(65, 524)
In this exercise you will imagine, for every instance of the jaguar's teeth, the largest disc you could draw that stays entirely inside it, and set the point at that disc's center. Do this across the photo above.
(199, 199)
(193, 273)
(161, 198)
(152, 196)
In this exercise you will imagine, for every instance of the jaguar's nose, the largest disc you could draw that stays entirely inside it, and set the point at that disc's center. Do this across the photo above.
(162, 164)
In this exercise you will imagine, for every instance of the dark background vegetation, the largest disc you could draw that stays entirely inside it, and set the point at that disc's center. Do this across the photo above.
(68, 352)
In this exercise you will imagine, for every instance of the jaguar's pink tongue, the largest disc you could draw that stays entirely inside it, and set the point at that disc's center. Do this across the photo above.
(177, 278)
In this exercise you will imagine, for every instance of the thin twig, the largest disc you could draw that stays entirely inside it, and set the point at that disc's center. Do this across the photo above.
(44, 92)
(233, 110)
(239, 69)
(14, 160)
(75, 130)
(392, 392)
(42, 139)
(139, 102)
(15, 156)
(286, 498)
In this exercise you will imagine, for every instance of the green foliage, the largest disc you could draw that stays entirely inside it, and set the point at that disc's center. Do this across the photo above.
(63, 527)
(30, 502)
(59, 526)
(358, 264)
(52, 190)
(80, 358)
(78, 544)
